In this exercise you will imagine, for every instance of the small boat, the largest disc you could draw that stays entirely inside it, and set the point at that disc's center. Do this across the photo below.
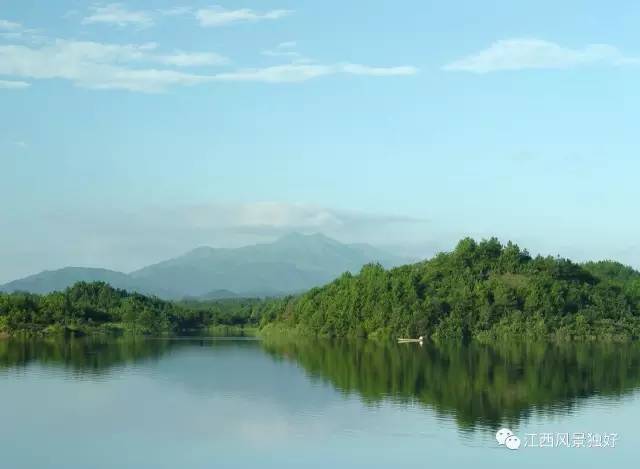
(409, 341)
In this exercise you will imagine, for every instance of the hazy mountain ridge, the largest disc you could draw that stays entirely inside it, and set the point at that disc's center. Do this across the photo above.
(291, 264)
(50, 280)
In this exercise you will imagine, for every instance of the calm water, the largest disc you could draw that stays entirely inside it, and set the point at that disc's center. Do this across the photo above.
(243, 403)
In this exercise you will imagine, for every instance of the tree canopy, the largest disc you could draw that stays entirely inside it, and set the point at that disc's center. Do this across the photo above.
(480, 289)
(90, 307)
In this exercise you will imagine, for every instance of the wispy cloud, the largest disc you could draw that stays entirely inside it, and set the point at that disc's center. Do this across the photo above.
(288, 73)
(219, 16)
(303, 68)
(269, 218)
(176, 11)
(193, 59)
(13, 85)
(284, 49)
(95, 65)
(298, 72)
(6, 25)
(12, 30)
(356, 69)
(118, 14)
(531, 53)
(118, 66)
(145, 68)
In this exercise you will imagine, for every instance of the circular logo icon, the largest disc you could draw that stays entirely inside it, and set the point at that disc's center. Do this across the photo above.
(502, 435)
(512, 442)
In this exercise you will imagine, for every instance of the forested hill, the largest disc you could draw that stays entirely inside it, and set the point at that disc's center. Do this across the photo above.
(98, 307)
(483, 290)
(480, 290)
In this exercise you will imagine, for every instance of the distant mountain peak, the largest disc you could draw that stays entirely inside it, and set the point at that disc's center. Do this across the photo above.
(293, 263)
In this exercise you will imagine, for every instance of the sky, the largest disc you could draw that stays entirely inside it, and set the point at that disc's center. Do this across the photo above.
(132, 132)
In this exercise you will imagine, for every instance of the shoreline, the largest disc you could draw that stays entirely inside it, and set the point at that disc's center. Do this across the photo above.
(276, 330)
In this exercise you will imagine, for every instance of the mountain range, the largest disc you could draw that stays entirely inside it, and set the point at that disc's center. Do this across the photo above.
(291, 264)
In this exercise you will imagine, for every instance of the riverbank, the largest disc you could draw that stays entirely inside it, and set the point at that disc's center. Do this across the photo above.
(117, 330)
(283, 331)
(609, 335)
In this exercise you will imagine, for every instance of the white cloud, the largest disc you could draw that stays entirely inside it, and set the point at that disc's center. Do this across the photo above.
(118, 14)
(356, 69)
(13, 85)
(13, 31)
(303, 68)
(92, 65)
(271, 215)
(280, 53)
(531, 53)
(108, 66)
(176, 11)
(6, 25)
(284, 49)
(143, 68)
(13, 36)
(101, 52)
(278, 73)
(219, 16)
(193, 59)
(146, 80)
(298, 72)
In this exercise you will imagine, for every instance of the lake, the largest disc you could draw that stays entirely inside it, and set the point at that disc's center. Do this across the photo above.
(241, 403)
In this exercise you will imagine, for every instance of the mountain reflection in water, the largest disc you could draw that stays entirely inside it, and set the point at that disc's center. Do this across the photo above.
(480, 386)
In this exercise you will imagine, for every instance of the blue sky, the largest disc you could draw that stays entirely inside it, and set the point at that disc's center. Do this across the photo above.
(133, 131)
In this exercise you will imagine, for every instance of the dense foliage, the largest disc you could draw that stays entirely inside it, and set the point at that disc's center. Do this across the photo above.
(483, 290)
(90, 307)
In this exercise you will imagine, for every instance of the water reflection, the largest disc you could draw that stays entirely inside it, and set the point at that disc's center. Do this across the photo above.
(478, 385)
(83, 355)
(96, 355)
